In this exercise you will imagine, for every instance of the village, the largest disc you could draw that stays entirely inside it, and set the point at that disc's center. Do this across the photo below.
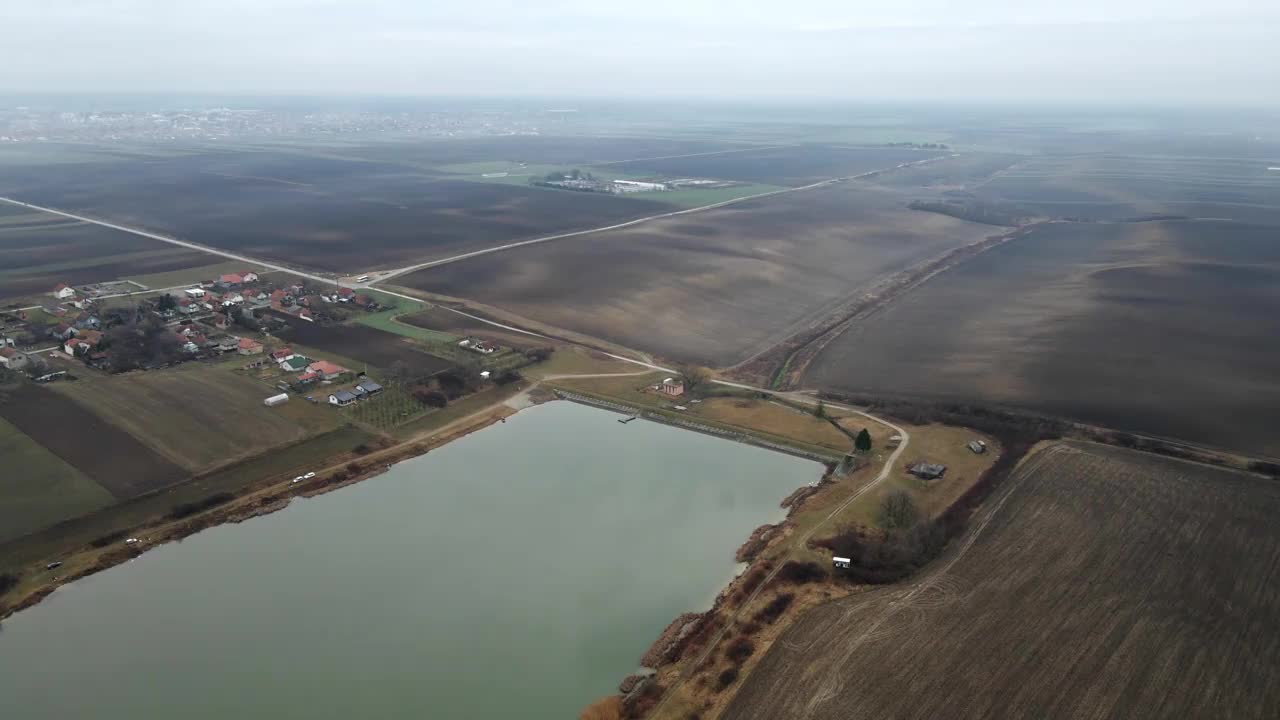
(218, 317)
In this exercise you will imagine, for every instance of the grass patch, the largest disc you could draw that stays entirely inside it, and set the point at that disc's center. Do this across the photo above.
(283, 462)
(39, 489)
(193, 275)
(198, 415)
(698, 197)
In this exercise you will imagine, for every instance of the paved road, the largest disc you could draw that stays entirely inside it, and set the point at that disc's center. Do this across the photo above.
(172, 241)
(385, 275)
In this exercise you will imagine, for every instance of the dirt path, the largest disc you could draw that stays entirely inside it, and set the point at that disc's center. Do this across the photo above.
(691, 666)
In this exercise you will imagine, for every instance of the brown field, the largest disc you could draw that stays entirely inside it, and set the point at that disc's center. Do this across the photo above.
(103, 452)
(363, 343)
(1165, 328)
(1110, 186)
(713, 287)
(199, 415)
(39, 250)
(1097, 582)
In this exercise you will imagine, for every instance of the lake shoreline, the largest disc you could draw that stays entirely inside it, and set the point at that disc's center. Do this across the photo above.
(265, 501)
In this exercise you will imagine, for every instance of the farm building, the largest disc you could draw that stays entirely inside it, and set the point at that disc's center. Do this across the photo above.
(342, 398)
(63, 291)
(12, 359)
(326, 369)
(368, 387)
(275, 400)
(927, 471)
(672, 387)
(296, 363)
(195, 292)
(249, 346)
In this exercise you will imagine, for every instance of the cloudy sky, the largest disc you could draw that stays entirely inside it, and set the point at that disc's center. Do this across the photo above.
(1118, 51)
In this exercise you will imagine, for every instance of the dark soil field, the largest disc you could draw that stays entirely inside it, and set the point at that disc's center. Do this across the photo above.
(333, 215)
(1117, 187)
(715, 286)
(360, 342)
(539, 149)
(792, 166)
(1096, 583)
(1168, 328)
(39, 250)
(98, 449)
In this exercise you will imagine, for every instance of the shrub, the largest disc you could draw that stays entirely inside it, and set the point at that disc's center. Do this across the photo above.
(8, 581)
(775, 608)
(106, 540)
(739, 650)
(362, 449)
(183, 510)
(354, 468)
(801, 573)
(726, 678)
(897, 511)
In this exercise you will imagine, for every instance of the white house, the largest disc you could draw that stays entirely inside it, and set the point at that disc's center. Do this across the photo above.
(63, 291)
(195, 292)
(342, 398)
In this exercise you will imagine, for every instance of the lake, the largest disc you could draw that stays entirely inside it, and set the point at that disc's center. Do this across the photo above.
(520, 571)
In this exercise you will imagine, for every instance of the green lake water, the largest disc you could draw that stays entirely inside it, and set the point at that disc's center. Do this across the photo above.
(518, 572)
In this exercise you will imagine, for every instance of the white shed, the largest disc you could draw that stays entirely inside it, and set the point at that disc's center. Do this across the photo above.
(275, 400)
(841, 562)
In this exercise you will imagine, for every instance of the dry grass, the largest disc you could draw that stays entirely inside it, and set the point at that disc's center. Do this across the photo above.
(944, 444)
(775, 419)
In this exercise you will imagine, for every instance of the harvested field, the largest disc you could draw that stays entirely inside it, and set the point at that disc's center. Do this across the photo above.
(38, 488)
(1117, 187)
(39, 250)
(366, 344)
(1163, 328)
(198, 415)
(716, 286)
(1097, 582)
(331, 214)
(98, 449)
(791, 166)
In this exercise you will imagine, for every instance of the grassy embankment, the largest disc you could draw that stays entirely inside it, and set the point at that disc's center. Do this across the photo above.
(751, 613)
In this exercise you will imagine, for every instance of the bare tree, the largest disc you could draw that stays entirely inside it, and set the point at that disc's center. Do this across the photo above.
(694, 376)
(897, 510)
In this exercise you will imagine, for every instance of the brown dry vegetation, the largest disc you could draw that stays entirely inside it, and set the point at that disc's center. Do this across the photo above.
(716, 286)
(1094, 583)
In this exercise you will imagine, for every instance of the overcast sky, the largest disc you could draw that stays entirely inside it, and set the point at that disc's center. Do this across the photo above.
(1120, 51)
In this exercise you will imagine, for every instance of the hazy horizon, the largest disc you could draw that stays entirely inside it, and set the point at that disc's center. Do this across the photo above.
(1137, 53)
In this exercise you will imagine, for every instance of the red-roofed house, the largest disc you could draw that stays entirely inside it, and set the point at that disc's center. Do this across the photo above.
(63, 291)
(308, 377)
(283, 353)
(326, 369)
(249, 346)
(231, 279)
(11, 358)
